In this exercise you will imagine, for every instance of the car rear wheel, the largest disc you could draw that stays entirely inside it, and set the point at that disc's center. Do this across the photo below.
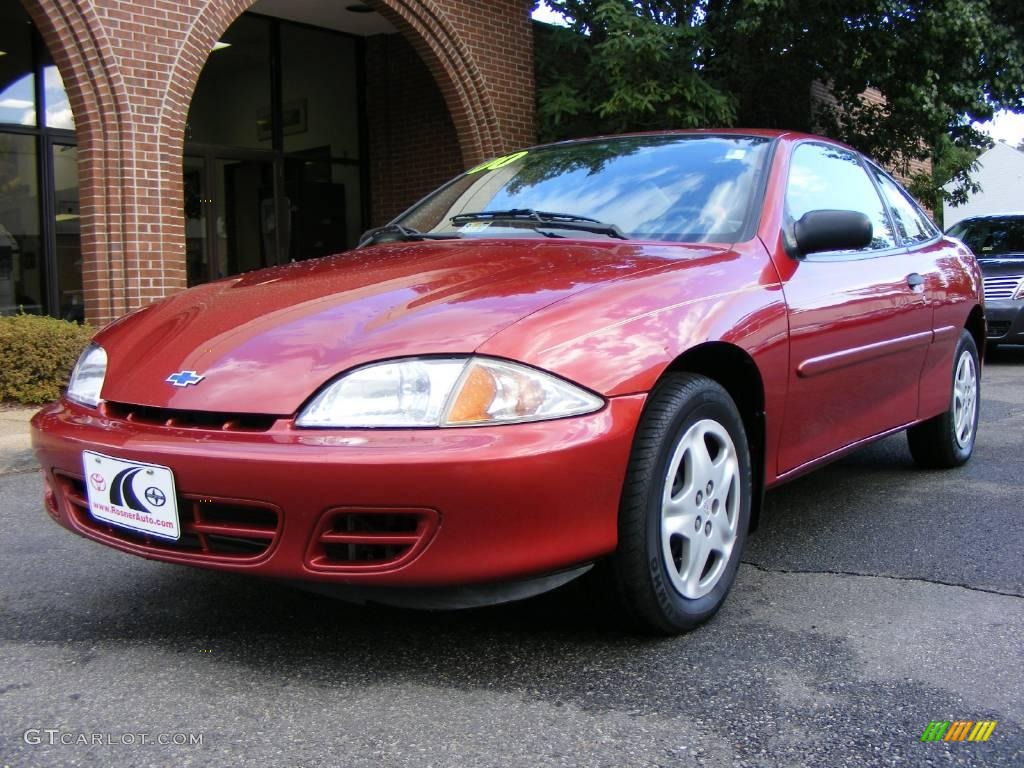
(947, 440)
(685, 507)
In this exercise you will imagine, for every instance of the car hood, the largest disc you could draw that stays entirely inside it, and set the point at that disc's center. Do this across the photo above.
(1002, 266)
(265, 341)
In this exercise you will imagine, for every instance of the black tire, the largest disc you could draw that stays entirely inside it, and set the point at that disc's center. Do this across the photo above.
(639, 569)
(937, 443)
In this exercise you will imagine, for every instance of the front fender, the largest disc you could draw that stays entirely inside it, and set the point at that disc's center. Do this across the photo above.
(619, 338)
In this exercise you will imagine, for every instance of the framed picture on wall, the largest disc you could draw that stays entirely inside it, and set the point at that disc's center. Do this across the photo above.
(293, 120)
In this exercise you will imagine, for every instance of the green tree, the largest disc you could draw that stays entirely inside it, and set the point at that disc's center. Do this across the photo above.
(647, 64)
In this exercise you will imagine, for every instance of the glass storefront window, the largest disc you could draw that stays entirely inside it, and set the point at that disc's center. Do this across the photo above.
(350, 177)
(40, 259)
(17, 81)
(273, 172)
(231, 104)
(68, 231)
(22, 269)
(55, 97)
(320, 114)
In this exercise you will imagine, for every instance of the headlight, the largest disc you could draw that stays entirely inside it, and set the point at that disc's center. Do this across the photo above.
(87, 377)
(1020, 291)
(444, 392)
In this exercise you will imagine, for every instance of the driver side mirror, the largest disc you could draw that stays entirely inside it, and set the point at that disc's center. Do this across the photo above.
(818, 231)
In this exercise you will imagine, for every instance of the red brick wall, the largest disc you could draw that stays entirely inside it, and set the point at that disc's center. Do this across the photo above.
(130, 67)
(481, 56)
(902, 170)
(412, 140)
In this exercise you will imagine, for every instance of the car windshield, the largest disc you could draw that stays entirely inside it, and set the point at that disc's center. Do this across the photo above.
(689, 188)
(993, 236)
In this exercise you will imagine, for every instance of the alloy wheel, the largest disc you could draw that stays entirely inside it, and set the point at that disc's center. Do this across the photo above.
(700, 508)
(965, 399)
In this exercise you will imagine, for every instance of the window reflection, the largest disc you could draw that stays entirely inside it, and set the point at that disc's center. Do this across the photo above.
(21, 258)
(823, 177)
(68, 232)
(58, 107)
(693, 189)
(911, 221)
(17, 82)
(231, 103)
(17, 104)
(39, 258)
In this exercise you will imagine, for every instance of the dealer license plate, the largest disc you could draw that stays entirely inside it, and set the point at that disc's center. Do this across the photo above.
(132, 495)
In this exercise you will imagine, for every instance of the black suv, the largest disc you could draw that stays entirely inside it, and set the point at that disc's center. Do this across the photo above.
(998, 242)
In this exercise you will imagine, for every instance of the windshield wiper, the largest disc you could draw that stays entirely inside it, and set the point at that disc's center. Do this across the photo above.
(391, 233)
(543, 219)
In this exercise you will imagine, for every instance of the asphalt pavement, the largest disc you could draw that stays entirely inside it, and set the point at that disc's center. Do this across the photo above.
(874, 598)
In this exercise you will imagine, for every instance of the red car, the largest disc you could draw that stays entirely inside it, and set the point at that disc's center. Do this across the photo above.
(596, 352)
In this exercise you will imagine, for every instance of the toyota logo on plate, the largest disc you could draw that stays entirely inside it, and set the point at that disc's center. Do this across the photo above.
(97, 481)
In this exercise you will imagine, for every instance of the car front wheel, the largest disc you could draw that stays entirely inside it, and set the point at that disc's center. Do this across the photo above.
(685, 508)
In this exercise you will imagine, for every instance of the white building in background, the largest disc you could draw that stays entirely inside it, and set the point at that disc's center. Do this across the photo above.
(1001, 176)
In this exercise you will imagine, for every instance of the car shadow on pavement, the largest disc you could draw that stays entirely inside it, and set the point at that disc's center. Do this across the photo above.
(1005, 355)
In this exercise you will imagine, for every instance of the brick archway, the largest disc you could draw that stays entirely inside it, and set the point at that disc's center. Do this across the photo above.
(98, 95)
(130, 91)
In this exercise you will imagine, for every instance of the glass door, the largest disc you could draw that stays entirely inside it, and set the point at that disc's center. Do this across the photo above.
(67, 231)
(22, 259)
(250, 229)
(315, 205)
(198, 241)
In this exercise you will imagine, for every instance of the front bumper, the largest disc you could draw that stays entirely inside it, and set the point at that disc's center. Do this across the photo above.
(472, 505)
(1005, 321)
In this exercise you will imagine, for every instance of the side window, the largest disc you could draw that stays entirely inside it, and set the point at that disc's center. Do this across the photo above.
(911, 222)
(824, 177)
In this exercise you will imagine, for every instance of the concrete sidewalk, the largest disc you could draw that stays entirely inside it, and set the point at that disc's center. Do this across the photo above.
(15, 446)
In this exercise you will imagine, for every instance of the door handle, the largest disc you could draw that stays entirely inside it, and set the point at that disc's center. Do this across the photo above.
(915, 281)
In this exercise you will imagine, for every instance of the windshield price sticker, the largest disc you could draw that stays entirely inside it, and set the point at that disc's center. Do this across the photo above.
(498, 162)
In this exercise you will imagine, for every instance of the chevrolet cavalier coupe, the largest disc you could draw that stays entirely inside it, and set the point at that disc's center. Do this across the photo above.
(591, 353)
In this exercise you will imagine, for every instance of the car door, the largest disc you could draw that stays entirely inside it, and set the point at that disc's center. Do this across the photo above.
(949, 287)
(859, 321)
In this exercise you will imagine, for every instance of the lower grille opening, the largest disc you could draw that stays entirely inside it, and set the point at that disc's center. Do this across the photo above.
(213, 528)
(370, 538)
(170, 417)
(50, 500)
(998, 328)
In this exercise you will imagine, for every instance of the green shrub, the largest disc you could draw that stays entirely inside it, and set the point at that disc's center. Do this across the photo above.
(36, 356)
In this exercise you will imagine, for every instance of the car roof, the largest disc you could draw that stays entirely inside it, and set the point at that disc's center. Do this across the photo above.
(767, 133)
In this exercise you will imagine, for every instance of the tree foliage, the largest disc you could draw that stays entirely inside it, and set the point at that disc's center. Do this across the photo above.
(648, 64)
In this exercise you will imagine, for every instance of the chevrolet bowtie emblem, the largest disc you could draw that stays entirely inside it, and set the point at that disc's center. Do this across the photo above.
(184, 378)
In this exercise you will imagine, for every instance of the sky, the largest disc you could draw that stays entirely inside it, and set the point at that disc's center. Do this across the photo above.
(1006, 126)
(543, 13)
